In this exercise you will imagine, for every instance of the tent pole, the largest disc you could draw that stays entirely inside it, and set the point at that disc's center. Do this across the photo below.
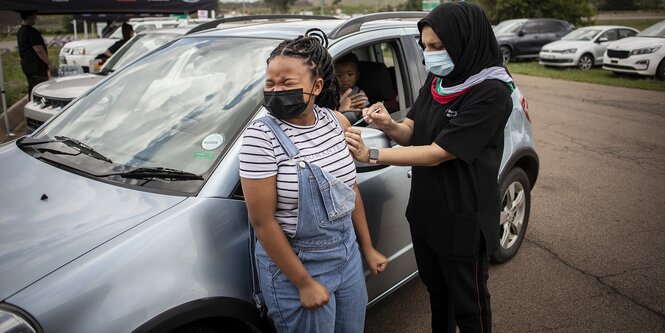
(75, 33)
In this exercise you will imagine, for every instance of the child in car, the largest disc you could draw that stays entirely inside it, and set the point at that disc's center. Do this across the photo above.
(353, 99)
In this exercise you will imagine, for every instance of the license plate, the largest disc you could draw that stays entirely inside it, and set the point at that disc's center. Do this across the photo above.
(614, 61)
(547, 56)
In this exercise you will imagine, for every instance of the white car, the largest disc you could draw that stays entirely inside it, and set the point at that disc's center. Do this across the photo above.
(583, 48)
(49, 97)
(642, 54)
(83, 52)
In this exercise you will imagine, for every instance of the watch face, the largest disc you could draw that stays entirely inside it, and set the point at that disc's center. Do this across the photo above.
(373, 154)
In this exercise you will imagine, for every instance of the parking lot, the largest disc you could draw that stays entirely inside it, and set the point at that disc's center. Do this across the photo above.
(594, 255)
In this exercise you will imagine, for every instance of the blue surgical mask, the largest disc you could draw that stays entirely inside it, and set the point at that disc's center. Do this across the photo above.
(439, 62)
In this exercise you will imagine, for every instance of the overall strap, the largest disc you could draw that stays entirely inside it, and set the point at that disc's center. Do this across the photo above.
(289, 147)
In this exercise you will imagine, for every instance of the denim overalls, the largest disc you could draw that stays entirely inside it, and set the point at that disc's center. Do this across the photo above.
(325, 242)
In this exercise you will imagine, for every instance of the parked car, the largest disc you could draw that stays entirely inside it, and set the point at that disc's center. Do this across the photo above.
(583, 48)
(523, 38)
(83, 52)
(126, 212)
(49, 97)
(643, 54)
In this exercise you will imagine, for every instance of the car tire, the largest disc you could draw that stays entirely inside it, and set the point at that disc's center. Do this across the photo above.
(515, 191)
(660, 71)
(585, 62)
(507, 53)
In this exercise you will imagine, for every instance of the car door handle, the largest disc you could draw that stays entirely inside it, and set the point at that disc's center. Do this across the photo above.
(409, 174)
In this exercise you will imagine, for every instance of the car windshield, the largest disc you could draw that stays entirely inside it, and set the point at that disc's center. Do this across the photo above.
(656, 30)
(178, 108)
(137, 47)
(582, 34)
(508, 27)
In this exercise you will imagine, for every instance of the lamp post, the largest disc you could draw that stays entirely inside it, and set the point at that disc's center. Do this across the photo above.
(4, 99)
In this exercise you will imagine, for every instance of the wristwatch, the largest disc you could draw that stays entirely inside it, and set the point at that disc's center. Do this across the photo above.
(373, 155)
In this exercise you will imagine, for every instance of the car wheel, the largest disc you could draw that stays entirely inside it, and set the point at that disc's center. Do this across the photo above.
(585, 62)
(507, 54)
(514, 217)
(660, 72)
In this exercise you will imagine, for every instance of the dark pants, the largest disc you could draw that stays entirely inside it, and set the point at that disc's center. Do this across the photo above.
(457, 290)
(33, 80)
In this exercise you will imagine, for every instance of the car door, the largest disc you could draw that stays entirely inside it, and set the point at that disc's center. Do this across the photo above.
(549, 31)
(528, 39)
(385, 189)
(601, 42)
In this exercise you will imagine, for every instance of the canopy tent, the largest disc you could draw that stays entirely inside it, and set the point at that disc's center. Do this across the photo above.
(107, 6)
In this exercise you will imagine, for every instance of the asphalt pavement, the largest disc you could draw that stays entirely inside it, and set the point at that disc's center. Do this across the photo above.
(594, 256)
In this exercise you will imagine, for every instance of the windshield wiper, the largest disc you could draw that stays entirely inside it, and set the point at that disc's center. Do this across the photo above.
(71, 142)
(105, 71)
(158, 172)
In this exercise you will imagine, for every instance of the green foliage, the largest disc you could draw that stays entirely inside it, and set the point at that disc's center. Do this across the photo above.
(573, 11)
(412, 5)
(16, 85)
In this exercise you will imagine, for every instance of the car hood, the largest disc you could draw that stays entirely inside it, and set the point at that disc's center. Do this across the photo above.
(68, 87)
(565, 44)
(50, 216)
(90, 44)
(632, 43)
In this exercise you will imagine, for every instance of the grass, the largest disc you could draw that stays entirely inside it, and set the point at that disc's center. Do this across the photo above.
(16, 85)
(596, 75)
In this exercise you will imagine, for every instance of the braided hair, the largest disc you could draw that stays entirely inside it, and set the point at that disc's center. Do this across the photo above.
(312, 49)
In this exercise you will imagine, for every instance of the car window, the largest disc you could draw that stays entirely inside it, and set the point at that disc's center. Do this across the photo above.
(550, 26)
(531, 27)
(383, 76)
(656, 30)
(623, 33)
(178, 108)
(144, 27)
(584, 34)
(508, 27)
(170, 25)
(137, 47)
(611, 35)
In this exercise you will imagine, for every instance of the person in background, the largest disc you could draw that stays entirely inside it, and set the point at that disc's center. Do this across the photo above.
(32, 50)
(353, 99)
(453, 139)
(127, 33)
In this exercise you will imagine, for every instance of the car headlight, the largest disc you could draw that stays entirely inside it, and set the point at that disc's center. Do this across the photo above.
(80, 50)
(568, 51)
(645, 50)
(12, 320)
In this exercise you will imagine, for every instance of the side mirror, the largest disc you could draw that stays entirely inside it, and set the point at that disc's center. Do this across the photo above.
(602, 40)
(376, 139)
(521, 33)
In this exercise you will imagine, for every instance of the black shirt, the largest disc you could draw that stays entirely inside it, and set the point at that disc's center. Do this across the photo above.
(452, 203)
(27, 37)
(117, 45)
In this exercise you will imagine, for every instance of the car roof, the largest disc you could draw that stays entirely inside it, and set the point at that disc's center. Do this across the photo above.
(334, 28)
(604, 27)
(179, 31)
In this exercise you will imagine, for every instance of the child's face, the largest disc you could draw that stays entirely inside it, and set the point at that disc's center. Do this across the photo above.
(347, 75)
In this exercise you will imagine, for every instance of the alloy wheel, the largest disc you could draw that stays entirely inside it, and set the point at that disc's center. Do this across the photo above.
(585, 63)
(512, 214)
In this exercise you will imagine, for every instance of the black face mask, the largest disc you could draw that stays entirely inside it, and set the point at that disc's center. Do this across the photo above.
(285, 104)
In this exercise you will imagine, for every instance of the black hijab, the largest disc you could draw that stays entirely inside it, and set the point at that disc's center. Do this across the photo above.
(468, 37)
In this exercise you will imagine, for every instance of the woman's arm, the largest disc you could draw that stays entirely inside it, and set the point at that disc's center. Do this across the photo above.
(406, 156)
(261, 200)
(378, 115)
(376, 261)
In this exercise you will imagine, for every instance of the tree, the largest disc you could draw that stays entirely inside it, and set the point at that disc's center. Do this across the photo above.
(573, 11)
(412, 5)
(280, 5)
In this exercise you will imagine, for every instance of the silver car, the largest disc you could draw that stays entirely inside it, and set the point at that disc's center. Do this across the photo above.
(124, 212)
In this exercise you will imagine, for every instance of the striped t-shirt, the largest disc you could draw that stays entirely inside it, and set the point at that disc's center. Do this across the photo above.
(261, 156)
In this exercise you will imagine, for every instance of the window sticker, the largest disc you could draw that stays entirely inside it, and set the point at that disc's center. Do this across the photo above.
(212, 141)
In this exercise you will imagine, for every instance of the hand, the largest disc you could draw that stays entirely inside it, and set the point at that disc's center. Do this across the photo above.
(313, 294)
(48, 73)
(356, 145)
(376, 261)
(353, 103)
(380, 119)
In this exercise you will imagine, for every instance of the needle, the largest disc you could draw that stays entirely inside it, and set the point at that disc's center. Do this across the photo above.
(366, 116)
